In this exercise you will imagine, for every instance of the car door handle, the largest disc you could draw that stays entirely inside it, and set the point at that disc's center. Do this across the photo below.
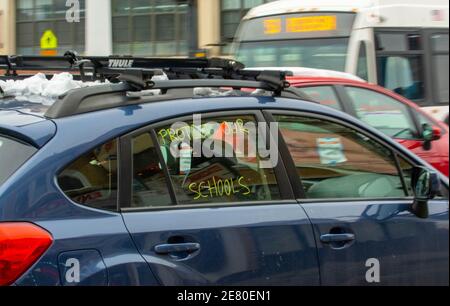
(330, 238)
(165, 249)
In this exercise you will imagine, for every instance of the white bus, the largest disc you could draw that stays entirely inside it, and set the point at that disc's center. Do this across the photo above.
(402, 45)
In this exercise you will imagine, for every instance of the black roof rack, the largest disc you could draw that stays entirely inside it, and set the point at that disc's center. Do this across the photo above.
(128, 74)
(86, 100)
(103, 67)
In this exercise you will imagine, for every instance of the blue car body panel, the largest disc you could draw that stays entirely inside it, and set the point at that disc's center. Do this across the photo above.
(258, 244)
(409, 250)
(247, 245)
(26, 127)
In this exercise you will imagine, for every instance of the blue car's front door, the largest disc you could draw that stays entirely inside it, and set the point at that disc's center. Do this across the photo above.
(390, 245)
(355, 190)
(205, 218)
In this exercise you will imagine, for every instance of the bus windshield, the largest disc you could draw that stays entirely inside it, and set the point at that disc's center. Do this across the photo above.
(322, 53)
(312, 40)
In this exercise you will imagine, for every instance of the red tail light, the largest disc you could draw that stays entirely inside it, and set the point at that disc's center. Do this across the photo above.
(21, 244)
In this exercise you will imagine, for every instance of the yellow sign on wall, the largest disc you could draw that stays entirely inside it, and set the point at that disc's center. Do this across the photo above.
(49, 40)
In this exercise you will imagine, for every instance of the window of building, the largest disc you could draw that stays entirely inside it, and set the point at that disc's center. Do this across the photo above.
(149, 27)
(232, 12)
(334, 161)
(35, 17)
(92, 179)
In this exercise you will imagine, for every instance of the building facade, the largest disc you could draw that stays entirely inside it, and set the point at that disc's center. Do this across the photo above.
(127, 27)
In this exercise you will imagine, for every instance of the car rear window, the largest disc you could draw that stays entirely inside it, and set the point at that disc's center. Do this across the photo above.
(13, 154)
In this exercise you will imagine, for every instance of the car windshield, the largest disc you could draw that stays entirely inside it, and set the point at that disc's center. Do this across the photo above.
(12, 155)
(323, 53)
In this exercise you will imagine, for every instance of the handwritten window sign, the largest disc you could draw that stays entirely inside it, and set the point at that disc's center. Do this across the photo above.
(331, 151)
(219, 188)
(217, 161)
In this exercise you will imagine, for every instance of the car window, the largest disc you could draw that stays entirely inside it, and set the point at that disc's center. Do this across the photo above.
(91, 180)
(150, 188)
(407, 171)
(12, 155)
(216, 162)
(325, 95)
(383, 113)
(334, 161)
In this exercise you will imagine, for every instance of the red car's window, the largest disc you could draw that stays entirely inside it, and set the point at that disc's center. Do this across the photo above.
(325, 95)
(383, 113)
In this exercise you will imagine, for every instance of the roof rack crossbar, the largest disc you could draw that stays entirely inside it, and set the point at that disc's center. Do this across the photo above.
(102, 68)
(69, 104)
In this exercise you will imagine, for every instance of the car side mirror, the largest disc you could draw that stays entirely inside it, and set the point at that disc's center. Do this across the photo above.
(426, 186)
(430, 134)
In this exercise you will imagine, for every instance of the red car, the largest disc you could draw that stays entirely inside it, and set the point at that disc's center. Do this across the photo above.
(386, 111)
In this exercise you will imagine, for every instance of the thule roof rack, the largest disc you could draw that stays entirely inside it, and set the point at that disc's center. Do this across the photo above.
(101, 68)
(130, 74)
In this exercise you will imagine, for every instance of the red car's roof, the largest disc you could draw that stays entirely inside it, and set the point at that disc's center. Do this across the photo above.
(318, 80)
(296, 80)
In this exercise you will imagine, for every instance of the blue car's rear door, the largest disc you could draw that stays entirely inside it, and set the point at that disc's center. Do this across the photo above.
(355, 190)
(254, 245)
(204, 217)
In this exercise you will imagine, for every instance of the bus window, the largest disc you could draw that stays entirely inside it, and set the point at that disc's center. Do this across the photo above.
(399, 42)
(312, 40)
(400, 67)
(324, 53)
(403, 75)
(439, 43)
(362, 70)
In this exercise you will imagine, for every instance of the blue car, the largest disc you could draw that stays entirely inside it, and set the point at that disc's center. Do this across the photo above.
(203, 181)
